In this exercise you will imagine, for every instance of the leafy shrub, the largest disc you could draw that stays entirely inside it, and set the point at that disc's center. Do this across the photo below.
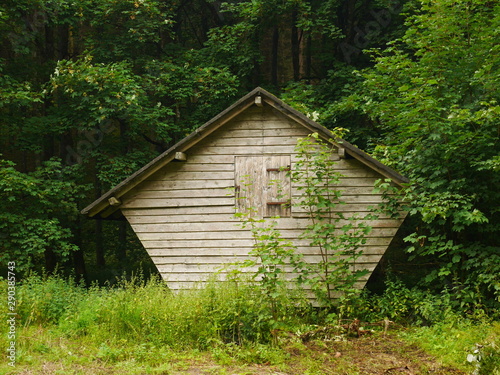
(490, 353)
(45, 299)
(51, 195)
(337, 236)
(402, 305)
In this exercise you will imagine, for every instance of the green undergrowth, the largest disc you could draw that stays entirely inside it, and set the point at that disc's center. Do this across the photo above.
(461, 343)
(147, 311)
(140, 326)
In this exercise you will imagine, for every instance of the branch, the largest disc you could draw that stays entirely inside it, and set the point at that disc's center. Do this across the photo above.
(158, 144)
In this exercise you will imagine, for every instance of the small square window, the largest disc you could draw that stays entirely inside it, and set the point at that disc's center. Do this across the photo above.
(263, 185)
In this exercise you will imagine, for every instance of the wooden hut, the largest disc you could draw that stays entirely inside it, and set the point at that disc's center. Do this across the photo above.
(181, 205)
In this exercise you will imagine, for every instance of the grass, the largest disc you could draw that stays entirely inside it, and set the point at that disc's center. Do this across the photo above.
(454, 339)
(45, 351)
(140, 327)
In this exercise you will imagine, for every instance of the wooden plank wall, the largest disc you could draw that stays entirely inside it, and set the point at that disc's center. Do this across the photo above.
(183, 214)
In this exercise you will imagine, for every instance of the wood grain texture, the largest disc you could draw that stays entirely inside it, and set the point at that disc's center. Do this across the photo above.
(184, 213)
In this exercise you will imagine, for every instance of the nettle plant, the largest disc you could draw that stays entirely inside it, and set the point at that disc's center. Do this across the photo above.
(337, 236)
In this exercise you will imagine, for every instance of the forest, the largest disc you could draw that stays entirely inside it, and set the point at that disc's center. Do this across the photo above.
(91, 90)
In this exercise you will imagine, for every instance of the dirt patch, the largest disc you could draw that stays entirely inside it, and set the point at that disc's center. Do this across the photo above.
(376, 355)
(367, 355)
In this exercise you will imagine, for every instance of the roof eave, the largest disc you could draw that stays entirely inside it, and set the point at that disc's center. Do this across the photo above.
(101, 205)
(326, 134)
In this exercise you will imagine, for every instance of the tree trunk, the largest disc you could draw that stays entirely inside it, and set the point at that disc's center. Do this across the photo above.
(99, 245)
(295, 47)
(274, 56)
(308, 57)
(122, 240)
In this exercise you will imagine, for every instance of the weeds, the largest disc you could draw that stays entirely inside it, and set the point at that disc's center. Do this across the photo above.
(454, 340)
(148, 312)
(44, 299)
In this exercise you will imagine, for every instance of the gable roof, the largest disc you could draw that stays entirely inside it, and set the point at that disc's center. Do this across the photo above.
(105, 206)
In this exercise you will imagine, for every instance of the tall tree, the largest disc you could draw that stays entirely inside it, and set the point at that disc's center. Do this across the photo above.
(102, 84)
(432, 97)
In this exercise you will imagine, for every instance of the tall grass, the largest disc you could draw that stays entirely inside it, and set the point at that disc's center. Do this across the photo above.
(45, 299)
(143, 311)
(454, 340)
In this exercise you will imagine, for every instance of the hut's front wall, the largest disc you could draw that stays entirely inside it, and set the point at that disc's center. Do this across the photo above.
(184, 214)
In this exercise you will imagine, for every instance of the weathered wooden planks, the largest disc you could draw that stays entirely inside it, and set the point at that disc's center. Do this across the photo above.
(184, 213)
(229, 255)
(291, 224)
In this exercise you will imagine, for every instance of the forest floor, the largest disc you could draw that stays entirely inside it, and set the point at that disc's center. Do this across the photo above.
(374, 354)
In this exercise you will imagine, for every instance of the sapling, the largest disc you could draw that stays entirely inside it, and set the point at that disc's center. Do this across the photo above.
(338, 237)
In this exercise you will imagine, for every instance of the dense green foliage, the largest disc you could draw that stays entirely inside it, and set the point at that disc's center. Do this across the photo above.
(34, 208)
(92, 90)
(431, 95)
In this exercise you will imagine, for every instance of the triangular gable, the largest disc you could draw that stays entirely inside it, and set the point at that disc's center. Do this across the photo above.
(108, 203)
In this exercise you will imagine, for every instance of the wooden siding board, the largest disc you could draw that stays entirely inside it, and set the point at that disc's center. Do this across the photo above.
(187, 193)
(203, 267)
(170, 185)
(187, 227)
(177, 202)
(206, 167)
(160, 245)
(286, 132)
(242, 234)
(361, 208)
(376, 243)
(175, 211)
(215, 239)
(188, 175)
(193, 158)
(180, 275)
(251, 150)
(189, 252)
(237, 143)
(288, 231)
(197, 225)
(187, 218)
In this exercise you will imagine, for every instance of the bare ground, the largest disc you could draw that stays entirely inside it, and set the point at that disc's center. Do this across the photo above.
(367, 355)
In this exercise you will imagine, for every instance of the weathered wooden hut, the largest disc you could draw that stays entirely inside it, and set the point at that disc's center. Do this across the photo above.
(181, 205)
